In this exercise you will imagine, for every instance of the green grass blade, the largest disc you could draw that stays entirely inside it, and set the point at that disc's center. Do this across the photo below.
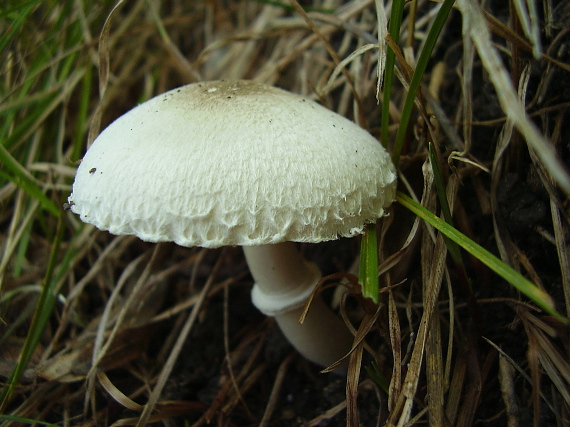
(287, 6)
(30, 421)
(394, 30)
(540, 297)
(417, 77)
(378, 377)
(17, 16)
(82, 124)
(43, 311)
(368, 269)
(21, 177)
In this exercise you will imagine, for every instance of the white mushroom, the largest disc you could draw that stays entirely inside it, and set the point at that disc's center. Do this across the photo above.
(241, 163)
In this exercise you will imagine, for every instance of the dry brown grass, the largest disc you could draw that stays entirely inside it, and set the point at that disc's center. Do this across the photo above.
(145, 333)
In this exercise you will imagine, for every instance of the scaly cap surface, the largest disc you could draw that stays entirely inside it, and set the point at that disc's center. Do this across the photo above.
(233, 163)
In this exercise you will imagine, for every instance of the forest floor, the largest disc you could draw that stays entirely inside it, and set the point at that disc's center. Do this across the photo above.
(89, 321)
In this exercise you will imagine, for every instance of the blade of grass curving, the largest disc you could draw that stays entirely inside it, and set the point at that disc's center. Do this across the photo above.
(43, 311)
(82, 125)
(19, 260)
(394, 31)
(378, 377)
(421, 66)
(540, 297)
(474, 23)
(24, 421)
(21, 252)
(17, 16)
(21, 177)
(39, 112)
(290, 8)
(444, 204)
(368, 268)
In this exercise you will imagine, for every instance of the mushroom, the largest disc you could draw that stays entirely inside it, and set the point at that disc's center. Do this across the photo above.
(241, 163)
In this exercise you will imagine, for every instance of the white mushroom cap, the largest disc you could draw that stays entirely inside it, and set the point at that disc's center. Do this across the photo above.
(233, 163)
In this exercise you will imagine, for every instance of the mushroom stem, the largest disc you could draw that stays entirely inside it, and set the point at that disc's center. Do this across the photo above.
(283, 283)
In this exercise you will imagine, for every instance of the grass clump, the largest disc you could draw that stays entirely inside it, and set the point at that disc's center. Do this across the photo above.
(470, 100)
